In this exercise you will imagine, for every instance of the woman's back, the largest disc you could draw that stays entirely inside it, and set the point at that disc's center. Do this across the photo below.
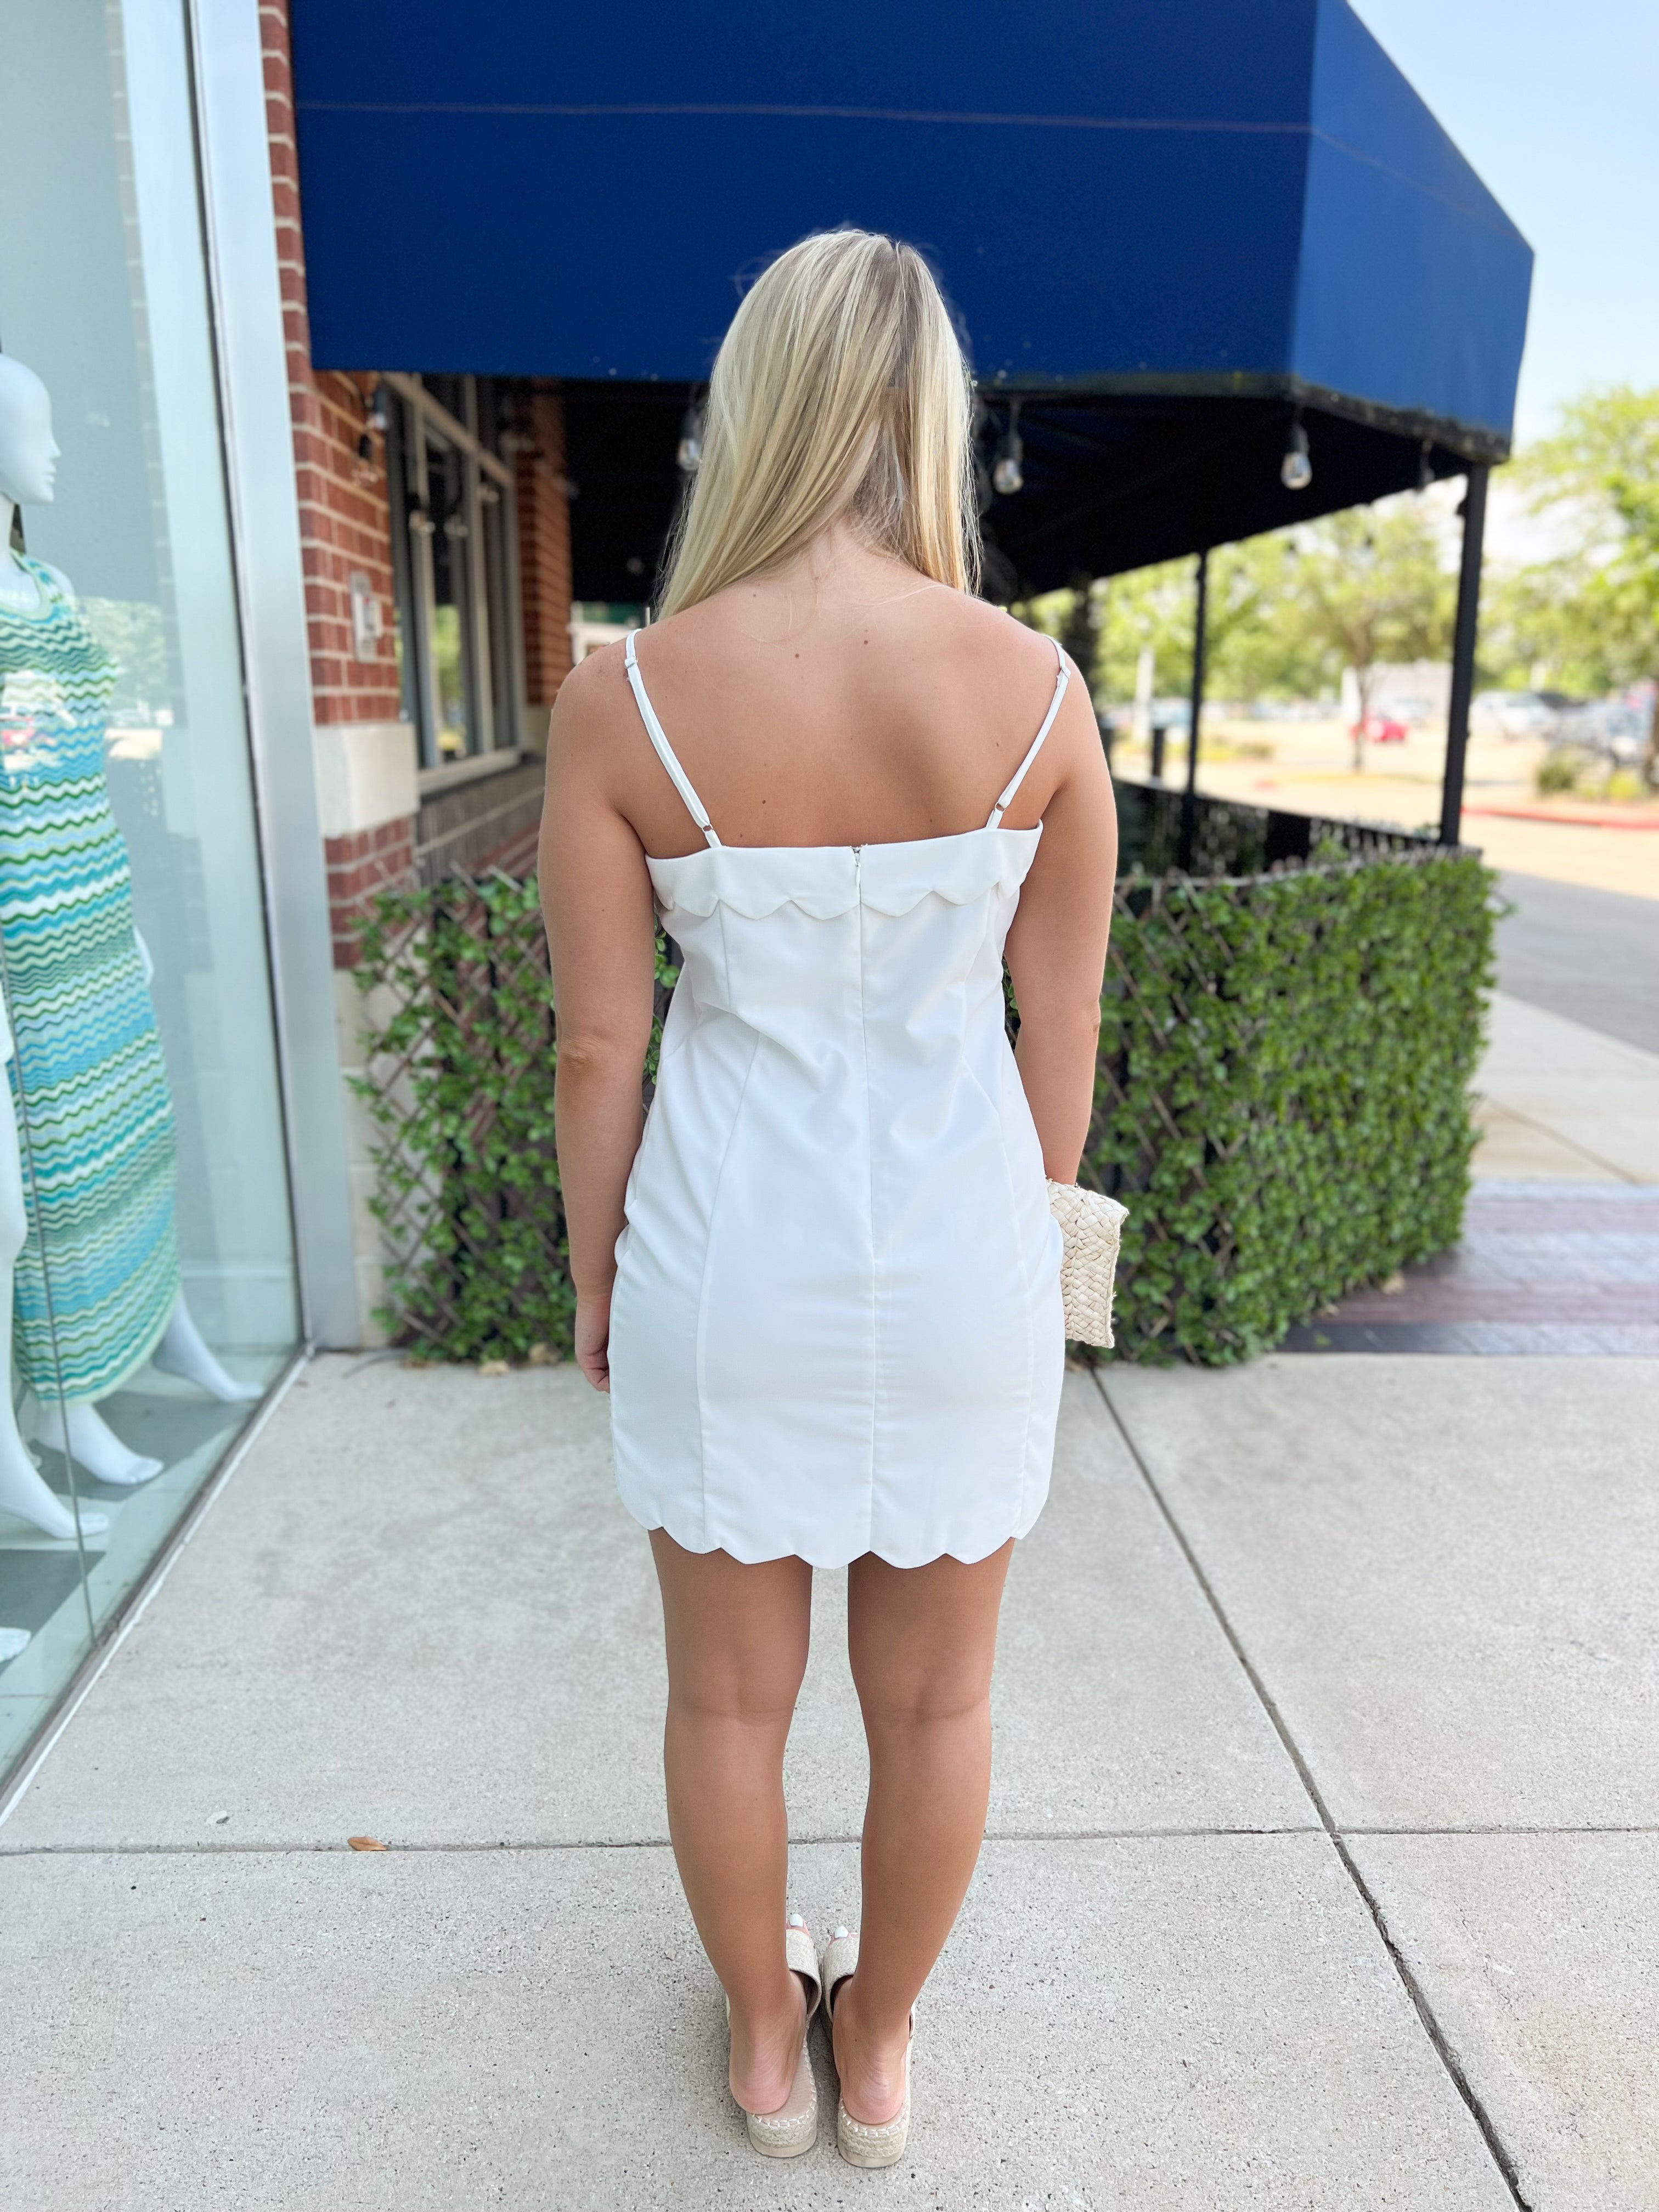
(856, 704)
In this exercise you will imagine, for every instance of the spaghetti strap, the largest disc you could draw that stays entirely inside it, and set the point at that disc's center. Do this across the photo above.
(664, 751)
(1062, 680)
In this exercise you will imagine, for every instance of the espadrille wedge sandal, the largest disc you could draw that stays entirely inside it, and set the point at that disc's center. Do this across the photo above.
(793, 2128)
(860, 2143)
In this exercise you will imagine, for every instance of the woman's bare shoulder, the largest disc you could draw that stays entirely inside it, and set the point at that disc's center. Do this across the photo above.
(593, 701)
(989, 637)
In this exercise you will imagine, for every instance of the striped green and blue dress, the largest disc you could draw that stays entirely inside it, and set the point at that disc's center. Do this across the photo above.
(99, 1273)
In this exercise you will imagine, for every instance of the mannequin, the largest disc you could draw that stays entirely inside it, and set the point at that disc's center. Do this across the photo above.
(54, 686)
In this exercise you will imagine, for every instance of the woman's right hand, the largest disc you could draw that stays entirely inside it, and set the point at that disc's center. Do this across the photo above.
(594, 1337)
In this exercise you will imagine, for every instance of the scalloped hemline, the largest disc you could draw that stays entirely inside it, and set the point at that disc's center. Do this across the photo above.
(832, 1562)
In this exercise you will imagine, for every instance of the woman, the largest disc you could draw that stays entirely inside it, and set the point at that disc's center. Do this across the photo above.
(823, 1290)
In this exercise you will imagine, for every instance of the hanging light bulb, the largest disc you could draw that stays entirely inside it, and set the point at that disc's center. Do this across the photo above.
(1007, 475)
(688, 452)
(976, 448)
(1296, 470)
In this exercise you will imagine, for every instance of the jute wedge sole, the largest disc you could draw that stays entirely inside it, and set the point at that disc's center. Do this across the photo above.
(792, 2129)
(859, 2142)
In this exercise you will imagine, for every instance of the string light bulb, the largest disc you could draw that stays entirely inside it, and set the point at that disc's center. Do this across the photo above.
(688, 454)
(1296, 470)
(1007, 472)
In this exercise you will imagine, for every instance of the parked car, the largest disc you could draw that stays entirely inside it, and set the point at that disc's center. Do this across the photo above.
(1518, 713)
(1382, 730)
(1607, 727)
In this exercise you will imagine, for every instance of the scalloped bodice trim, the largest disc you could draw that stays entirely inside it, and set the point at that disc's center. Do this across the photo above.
(824, 881)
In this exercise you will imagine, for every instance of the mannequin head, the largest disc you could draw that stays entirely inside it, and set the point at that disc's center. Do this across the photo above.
(28, 452)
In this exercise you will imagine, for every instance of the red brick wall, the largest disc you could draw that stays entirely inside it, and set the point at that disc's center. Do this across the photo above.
(379, 860)
(544, 553)
(345, 523)
(344, 518)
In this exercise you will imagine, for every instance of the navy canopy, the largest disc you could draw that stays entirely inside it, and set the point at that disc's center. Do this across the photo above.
(1164, 227)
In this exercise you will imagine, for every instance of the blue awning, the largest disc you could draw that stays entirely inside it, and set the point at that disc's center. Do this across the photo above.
(1160, 225)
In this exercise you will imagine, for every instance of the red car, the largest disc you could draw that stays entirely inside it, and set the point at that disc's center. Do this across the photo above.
(1382, 730)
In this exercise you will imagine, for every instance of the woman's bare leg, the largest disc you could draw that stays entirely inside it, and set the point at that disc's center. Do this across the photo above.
(736, 1650)
(922, 1640)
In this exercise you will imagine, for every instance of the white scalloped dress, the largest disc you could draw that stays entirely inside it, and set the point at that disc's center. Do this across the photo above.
(837, 1326)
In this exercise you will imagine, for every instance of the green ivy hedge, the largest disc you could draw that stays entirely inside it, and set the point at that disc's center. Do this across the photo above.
(1282, 1100)
(1283, 1095)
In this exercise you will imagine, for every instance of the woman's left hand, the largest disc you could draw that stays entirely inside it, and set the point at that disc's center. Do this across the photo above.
(594, 1337)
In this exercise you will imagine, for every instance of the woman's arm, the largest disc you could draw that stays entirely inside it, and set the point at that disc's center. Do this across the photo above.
(1057, 946)
(601, 932)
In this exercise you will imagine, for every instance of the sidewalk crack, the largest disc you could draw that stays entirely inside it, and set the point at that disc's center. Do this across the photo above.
(1444, 2051)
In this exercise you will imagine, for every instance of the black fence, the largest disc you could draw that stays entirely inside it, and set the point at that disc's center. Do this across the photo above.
(1231, 838)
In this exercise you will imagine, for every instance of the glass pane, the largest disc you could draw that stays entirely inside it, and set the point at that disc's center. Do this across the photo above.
(401, 489)
(495, 513)
(153, 1294)
(450, 542)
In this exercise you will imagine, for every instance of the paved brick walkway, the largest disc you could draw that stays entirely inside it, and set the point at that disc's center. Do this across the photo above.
(1553, 1269)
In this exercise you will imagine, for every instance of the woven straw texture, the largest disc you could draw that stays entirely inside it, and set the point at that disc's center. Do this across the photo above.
(1092, 1224)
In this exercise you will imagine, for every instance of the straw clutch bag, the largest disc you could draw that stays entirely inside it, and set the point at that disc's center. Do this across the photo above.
(1091, 1224)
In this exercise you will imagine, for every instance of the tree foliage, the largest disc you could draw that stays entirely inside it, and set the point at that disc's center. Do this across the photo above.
(1371, 586)
(1287, 612)
(1587, 619)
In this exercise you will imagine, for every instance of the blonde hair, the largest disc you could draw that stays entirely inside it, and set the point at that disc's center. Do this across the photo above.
(839, 389)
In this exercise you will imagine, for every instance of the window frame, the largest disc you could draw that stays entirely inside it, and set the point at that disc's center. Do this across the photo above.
(492, 648)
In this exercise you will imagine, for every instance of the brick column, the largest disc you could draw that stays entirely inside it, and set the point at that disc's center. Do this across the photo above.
(365, 755)
(544, 558)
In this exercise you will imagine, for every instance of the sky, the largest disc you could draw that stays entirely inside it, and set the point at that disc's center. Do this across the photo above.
(1556, 104)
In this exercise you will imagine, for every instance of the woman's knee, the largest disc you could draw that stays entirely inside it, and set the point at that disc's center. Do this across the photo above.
(756, 1688)
(909, 1697)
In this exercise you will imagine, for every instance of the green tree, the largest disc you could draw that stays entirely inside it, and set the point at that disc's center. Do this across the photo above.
(1079, 629)
(1286, 611)
(1253, 647)
(1368, 586)
(1592, 616)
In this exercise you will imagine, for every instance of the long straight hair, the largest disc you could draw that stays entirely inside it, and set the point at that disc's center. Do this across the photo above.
(839, 389)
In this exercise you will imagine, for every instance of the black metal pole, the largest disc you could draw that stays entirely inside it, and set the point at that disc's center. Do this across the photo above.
(1462, 670)
(1190, 797)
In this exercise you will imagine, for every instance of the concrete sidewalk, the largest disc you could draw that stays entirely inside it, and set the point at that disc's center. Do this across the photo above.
(1562, 1102)
(1323, 1867)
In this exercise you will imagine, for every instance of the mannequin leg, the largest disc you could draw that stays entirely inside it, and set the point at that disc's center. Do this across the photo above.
(23, 1491)
(184, 1352)
(79, 1429)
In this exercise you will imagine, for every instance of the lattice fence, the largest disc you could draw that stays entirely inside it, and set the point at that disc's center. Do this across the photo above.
(1282, 1098)
(458, 1086)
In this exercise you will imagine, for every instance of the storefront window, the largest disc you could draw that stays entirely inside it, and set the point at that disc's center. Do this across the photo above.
(452, 540)
(145, 1235)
